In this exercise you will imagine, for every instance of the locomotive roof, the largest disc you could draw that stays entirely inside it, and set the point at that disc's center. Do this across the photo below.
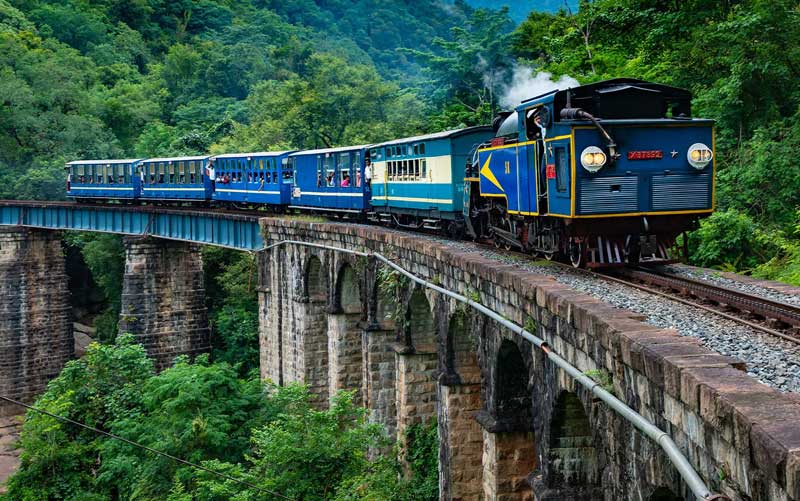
(619, 98)
(254, 154)
(329, 150)
(589, 90)
(175, 159)
(437, 135)
(105, 162)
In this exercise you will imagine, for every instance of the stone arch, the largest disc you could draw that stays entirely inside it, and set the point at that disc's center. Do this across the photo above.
(571, 458)
(420, 325)
(316, 283)
(512, 398)
(663, 494)
(348, 290)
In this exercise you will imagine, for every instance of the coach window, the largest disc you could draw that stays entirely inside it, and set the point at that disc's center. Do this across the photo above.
(120, 173)
(410, 150)
(417, 172)
(561, 169)
(171, 172)
(356, 169)
(330, 170)
(421, 148)
(344, 170)
(424, 168)
(416, 149)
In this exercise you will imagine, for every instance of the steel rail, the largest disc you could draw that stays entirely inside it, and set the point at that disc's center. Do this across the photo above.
(742, 301)
(673, 282)
(670, 448)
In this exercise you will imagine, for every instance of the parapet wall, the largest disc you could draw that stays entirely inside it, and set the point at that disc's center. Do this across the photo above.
(741, 436)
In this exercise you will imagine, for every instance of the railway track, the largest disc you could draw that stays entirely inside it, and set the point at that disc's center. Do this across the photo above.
(772, 317)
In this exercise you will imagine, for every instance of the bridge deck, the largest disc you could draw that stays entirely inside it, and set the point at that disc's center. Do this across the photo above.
(190, 224)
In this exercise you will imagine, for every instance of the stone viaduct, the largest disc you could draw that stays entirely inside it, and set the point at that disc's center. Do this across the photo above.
(512, 425)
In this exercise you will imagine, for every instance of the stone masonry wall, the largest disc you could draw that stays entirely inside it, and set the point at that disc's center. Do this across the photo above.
(35, 326)
(163, 299)
(741, 436)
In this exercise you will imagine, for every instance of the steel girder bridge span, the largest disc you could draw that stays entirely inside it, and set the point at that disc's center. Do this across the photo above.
(196, 225)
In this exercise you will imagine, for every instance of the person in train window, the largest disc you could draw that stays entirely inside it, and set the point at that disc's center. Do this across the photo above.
(319, 179)
(226, 179)
(368, 172)
(330, 178)
(261, 183)
(268, 178)
(345, 180)
(358, 179)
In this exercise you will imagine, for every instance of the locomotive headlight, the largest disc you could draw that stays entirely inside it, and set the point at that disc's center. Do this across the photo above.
(699, 155)
(593, 158)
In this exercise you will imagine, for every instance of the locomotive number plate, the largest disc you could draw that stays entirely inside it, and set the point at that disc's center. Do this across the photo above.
(646, 155)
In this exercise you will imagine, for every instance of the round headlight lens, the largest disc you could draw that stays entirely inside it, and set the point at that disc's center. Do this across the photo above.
(593, 158)
(699, 155)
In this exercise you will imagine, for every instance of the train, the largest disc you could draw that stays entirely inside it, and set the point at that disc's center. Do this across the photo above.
(604, 174)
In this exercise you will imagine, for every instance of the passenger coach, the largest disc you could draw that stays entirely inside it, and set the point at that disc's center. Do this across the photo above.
(103, 179)
(262, 178)
(330, 180)
(178, 178)
(418, 181)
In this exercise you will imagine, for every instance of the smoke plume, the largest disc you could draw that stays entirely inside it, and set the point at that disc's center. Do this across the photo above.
(525, 84)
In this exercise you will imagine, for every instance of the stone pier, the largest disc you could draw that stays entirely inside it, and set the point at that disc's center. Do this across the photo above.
(163, 299)
(35, 326)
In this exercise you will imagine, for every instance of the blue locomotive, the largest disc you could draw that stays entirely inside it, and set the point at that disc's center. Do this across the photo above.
(603, 174)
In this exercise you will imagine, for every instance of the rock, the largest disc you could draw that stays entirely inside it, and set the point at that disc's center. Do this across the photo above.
(82, 341)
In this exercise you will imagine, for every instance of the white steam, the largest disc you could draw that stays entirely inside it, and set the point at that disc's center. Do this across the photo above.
(525, 85)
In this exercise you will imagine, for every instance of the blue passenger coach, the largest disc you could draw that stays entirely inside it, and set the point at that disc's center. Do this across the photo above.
(419, 181)
(179, 178)
(106, 179)
(252, 178)
(331, 179)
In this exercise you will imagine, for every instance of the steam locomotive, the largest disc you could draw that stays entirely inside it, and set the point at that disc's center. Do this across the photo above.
(602, 174)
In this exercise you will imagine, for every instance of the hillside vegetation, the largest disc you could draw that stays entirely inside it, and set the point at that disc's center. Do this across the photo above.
(114, 78)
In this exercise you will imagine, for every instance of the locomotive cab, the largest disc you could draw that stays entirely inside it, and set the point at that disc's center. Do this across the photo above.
(605, 173)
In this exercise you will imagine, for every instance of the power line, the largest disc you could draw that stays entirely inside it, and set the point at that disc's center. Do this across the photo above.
(149, 449)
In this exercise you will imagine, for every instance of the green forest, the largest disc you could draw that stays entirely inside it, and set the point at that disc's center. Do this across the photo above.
(112, 78)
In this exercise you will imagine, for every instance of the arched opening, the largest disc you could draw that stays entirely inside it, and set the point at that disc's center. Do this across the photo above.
(460, 435)
(316, 285)
(512, 398)
(417, 364)
(348, 290)
(344, 335)
(508, 443)
(664, 494)
(421, 329)
(572, 458)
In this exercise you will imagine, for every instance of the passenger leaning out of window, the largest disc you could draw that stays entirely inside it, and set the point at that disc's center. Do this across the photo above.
(345, 180)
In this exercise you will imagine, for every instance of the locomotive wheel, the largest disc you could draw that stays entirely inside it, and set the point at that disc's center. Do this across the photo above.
(549, 255)
(507, 226)
(576, 253)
